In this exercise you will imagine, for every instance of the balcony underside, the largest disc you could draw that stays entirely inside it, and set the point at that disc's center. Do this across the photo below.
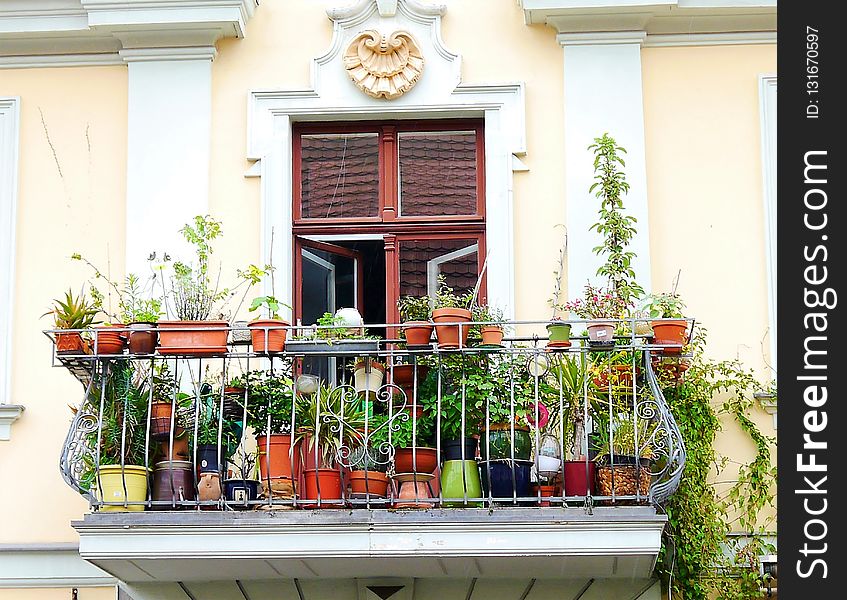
(612, 542)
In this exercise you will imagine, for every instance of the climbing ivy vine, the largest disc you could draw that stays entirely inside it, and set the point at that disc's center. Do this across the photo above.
(693, 562)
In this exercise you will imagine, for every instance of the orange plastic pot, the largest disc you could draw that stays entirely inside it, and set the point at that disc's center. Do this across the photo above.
(110, 339)
(268, 330)
(328, 482)
(492, 335)
(196, 338)
(281, 462)
(373, 483)
(425, 460)
(417, 333)
(673, 334)
(69, 343)
(547, 491)
(448, 335)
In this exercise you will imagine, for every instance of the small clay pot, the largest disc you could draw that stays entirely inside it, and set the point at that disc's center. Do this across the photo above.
(142, 338)
(417, 333)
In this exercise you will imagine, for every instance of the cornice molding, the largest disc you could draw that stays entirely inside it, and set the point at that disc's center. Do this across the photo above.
(9, 413)
(96, 31)
(130, 55)
(655, 17)
(601, 38)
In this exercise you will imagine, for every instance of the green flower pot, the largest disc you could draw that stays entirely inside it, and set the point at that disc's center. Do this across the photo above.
(460, 478)
(558, 335)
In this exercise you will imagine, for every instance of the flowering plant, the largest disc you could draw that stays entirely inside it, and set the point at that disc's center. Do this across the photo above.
(597, 303)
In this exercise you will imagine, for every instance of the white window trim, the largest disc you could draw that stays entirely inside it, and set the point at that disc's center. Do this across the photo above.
(439, 94)
(9, 156)
(767, 112)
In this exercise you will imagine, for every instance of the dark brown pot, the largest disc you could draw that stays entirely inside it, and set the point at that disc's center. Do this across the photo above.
(417, 333)
(194, 338)
(268, 329)
(448, 335)
(173, 481)
(142, 338)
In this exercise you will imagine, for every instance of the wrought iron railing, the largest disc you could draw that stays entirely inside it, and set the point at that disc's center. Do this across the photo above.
(366, 423)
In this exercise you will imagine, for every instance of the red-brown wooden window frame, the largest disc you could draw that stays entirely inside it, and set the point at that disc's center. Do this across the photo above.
(389, 168)
(394, 229)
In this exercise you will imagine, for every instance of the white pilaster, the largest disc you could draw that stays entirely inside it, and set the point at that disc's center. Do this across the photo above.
(169, 135)
(9, 144)
(602, 95)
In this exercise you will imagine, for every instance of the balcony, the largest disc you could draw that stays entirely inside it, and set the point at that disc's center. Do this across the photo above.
(346, 456)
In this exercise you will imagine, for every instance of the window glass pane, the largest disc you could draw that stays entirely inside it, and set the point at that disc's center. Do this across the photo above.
(437, 173)
(339, 175)
(422, 260)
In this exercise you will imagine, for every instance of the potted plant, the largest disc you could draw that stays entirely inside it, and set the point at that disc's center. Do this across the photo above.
(491, 333)
(76, 313)
(118, 479)
(672, 330)
(450, 307)
(625, 455)
(558, 330)
(413, 437)
(601, 308)
(270, 410)
(368, 375)
(415, 314)
(268, 335)
(570, 397)
(329, 420)
(334, 333)
(370, 460)
(617, 372)
(242, 485)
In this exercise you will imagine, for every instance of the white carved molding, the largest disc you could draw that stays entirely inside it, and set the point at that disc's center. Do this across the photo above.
(384, 66)
(35, 33)
(9, 153)
(438, 94)
(671, 21)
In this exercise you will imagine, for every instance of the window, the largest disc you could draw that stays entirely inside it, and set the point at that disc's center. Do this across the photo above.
(382, 209)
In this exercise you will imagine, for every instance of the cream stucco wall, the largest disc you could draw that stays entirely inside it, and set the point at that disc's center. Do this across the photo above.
(702, 138)
(83, 593)
(71, 199)
(704, 174)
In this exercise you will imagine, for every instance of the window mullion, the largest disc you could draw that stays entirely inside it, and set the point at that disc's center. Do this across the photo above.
(388, 172)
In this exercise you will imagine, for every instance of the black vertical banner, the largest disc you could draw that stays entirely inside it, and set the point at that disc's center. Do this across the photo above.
(810, 238)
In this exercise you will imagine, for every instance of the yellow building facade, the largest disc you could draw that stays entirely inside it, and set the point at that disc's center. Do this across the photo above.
(120, 121)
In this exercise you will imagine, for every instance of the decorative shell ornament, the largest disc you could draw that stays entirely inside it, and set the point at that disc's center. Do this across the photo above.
(384, 66)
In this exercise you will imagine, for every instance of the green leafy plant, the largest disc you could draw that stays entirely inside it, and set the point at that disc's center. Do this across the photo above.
(566, 391)
(136, 303)
(270, 398)
(617, 228)
(271, 304)
(625, 436)
(666, 305)
(408, 432)
(446, 297)
(415, 308)
(74, 312)
(596, 303)
(329, 419)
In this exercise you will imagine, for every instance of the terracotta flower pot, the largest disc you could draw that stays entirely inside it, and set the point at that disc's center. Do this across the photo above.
(547, 491)
(109, 339)
(69, 343)
(370, 482)
(194, 338)
(282, 462)
(620, 377)
(601, 331)
(404, 375)
(417, 333)
(270, 330)
(160, 420)
(328, 482)
(425, 460)
(142, 338)
(448, 335)
(670, 371)
(673, 334)
(492, 335)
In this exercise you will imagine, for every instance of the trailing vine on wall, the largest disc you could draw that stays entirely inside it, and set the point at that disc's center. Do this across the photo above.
(693, 562)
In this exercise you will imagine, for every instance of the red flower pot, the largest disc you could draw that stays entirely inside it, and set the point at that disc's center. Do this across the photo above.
(195, 338)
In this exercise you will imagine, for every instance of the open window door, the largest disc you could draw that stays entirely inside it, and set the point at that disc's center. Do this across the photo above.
(328, 277)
